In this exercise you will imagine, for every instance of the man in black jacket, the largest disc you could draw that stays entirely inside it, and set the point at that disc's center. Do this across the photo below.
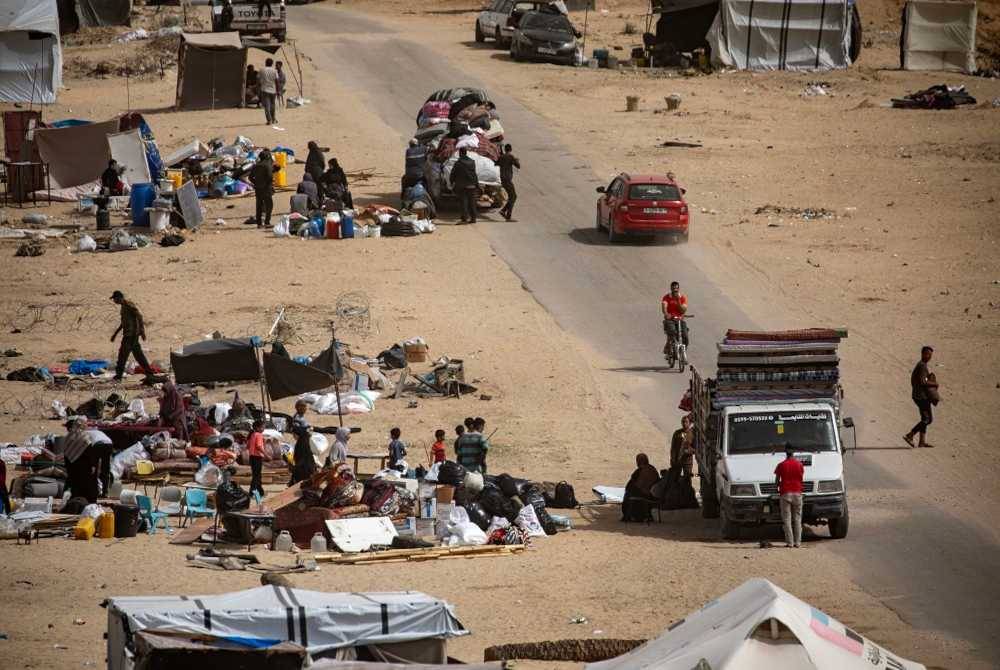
(507, 162)
(465, 184)
(262, 178)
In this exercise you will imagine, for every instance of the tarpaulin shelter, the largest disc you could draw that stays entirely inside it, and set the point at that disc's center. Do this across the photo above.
(30, 52)
(683, 24)
(409, 626)
(222, 360)
(76, 14)
(938, 36)
(782, 34)
(78, 152)
(758, 626)
(286, 378)
(211, 71)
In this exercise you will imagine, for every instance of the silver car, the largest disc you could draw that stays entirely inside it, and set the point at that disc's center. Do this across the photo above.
(498, 21)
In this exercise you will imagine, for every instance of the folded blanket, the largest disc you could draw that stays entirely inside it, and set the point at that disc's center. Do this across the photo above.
(788, 335)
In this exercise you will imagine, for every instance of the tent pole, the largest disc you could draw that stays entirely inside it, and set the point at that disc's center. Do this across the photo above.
(586, 16)
(336, 382)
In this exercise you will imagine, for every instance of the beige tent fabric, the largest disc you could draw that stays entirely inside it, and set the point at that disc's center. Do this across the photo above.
(230, 40)
(77, 154)
(939, 36)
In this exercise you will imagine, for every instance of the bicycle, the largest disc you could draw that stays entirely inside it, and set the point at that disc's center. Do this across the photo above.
(675, 351)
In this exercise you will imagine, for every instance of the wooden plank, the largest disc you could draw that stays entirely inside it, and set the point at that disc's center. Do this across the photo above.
(191, 533)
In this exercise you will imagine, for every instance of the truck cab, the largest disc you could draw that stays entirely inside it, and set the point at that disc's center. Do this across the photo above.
(247, 19)
(752, 439)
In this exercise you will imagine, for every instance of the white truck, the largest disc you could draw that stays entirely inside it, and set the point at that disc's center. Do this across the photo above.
(769, 393)
(247, 19)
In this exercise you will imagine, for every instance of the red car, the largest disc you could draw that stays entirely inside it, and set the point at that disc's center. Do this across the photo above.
(642, 205)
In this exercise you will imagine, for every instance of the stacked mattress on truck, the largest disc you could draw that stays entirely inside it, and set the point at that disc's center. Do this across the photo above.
(769, 366)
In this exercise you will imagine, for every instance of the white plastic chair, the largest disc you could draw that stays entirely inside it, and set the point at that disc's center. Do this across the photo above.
(170, 500)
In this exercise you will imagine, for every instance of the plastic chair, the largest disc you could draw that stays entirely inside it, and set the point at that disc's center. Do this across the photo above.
(151, 516)
(196, 505)
(127, 497)
(170, 500)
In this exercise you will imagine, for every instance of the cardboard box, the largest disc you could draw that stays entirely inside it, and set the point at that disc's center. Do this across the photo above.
(445, 493)
(415, 353)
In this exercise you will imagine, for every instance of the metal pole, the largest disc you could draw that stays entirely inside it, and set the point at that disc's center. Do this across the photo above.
(336, 382)
(586, 16)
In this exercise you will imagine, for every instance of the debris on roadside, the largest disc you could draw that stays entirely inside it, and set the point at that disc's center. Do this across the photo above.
(940, 96)
(805, 213)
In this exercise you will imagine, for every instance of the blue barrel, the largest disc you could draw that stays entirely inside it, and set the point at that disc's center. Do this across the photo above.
(346, 225)
(142, 197)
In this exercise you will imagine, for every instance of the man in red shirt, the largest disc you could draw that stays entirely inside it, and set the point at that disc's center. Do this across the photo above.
(788, 476)
(675, 306)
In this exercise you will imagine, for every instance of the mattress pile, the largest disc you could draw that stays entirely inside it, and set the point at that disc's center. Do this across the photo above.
(765, 366)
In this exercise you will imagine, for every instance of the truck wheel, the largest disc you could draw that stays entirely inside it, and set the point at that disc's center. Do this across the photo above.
(480, 37)
(838, 527)
(730, 530)
(709, 503)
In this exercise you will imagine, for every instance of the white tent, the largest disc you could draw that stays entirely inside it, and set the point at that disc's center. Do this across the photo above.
(758, 626)
(271, 614)
(30, 53)
(939, 36)
(781, 34)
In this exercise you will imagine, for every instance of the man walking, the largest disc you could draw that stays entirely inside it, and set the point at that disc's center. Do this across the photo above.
(267, 79)
(132, 328)
(465, 184)
(788, 476)
(282, 81)
(262, 178)
(924, 392)
(507, 162)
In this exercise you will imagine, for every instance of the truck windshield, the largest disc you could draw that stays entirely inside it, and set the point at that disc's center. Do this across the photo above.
(764, 432)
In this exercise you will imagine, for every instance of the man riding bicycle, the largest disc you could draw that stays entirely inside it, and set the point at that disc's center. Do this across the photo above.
(675, 305)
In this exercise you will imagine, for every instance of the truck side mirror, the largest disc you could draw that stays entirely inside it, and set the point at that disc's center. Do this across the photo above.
(600, 189)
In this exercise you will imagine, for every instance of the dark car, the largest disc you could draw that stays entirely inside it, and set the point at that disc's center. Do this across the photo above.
(544, 36)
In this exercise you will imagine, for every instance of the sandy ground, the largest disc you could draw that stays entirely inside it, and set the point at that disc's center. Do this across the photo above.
(560, 419)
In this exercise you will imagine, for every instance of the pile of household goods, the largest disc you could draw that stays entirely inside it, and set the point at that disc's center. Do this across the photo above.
(219, 170)
(450, 120)
(340, 224)
(447, 505)
(940, 96)
(772, 366)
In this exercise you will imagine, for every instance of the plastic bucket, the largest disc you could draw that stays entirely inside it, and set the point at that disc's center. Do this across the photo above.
(126, 520)
(333, 226)
(142, 197)
(347, 225)
(159, 219)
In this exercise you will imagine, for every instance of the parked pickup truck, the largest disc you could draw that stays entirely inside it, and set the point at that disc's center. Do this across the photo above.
(247, 19)
(769, 393)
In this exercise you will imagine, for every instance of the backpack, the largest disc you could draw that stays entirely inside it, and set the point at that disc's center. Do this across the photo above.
(560, 496)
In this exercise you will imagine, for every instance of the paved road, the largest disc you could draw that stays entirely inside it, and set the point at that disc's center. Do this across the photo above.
(933, 570)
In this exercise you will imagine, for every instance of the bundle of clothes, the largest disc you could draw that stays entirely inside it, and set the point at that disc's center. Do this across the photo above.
(940, 96)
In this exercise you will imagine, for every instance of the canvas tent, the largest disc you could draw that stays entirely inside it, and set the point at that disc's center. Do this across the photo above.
(782, 34)
(211, 71)
(76, 14)
(30, 52)
(938, 36)
(408, 625)
(758, 626)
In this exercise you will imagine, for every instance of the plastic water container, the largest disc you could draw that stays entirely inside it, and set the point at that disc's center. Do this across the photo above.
(281, 176)
(347, 224)
(159, 219)
(333, 225)
(375, 231)
(318, 543)
(177, 177)
(106, 525)
(85, 529)
(141, 198)
(283, 542)
(316, 227)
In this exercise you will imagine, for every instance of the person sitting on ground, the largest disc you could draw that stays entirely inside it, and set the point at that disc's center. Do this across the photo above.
(339, 451)
(334, 182)
(173, 412)
(111, 180)
(310, 189)
(437, 450)
(397, 450)
(472, 447)
(639, 489)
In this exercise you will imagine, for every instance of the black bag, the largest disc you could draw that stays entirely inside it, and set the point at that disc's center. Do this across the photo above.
(496, 503)
(477, 514)
(560, 496)
(532, 495)
(393, 358)
(507, 484)
(451, 473)
(231, 498)
(679, 492)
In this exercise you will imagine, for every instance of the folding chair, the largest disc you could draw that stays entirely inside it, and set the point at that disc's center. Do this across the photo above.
(151, 516)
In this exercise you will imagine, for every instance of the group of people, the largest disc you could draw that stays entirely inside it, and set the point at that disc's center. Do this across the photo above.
(648, 486)
(465, 182)
(324, 179)
(266, 88)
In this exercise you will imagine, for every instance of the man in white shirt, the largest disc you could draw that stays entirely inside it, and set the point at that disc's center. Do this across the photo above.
(267, 79)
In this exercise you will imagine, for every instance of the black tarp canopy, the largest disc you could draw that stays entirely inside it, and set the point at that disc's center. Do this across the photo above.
(286, 378)
(222, 360)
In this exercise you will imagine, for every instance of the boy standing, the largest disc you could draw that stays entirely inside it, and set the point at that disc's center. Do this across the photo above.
(255, 449)
(437, 451)
(397, 449)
